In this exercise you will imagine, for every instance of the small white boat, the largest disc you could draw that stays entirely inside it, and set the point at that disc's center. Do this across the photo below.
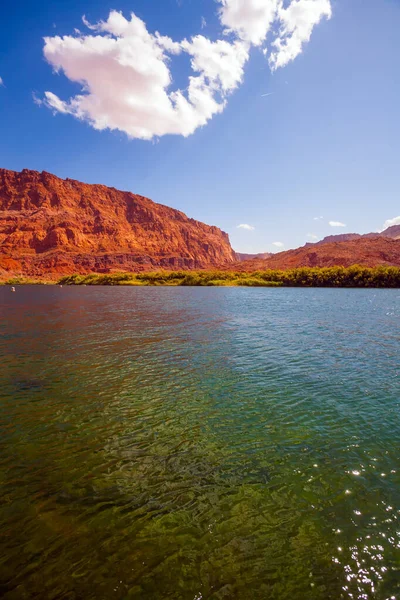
(13, 289)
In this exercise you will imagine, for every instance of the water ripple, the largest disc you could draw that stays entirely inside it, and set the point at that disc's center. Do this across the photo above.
(199, 443)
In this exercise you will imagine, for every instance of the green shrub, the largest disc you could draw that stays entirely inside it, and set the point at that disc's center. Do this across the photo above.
(354, 276)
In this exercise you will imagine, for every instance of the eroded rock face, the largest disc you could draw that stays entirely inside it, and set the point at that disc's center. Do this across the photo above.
(51, 225)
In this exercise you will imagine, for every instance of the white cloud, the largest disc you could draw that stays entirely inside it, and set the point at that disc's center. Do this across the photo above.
(391, 222)
(297, 21)
(318, 218)
(126, 78)
(124, 70)
(250, 20)
(311, 236)
(246, 226)
(203, 23)
(55, 103)
(278, 244)
(336, 224)
(1, 82)
(220, 62)
(38, 101)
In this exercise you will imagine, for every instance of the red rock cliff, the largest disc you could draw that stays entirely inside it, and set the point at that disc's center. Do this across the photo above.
(369, 252)
(51, 225)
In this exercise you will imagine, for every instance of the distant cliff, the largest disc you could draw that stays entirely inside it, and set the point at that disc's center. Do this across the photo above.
(391, 232)
(240, 256)
(369, 251)
(51, 225)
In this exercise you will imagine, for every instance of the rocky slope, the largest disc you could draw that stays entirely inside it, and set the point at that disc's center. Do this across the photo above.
(240, 256)
(50, 225)
(341, 237)
(368, 251)
(391, 232)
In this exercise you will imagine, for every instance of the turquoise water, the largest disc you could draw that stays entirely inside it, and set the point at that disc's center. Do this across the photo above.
(199, 443)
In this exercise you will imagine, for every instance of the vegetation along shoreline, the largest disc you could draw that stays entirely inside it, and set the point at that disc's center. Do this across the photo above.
(339, 277)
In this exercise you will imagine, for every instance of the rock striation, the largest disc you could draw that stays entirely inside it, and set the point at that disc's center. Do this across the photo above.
(50, 225)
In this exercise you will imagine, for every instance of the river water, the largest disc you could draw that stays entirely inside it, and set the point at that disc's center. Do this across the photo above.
(199, 443)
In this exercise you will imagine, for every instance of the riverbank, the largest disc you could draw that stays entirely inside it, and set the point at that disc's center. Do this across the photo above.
(354, 277)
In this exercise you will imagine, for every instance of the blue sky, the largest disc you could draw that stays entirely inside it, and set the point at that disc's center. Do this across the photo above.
(316, 137)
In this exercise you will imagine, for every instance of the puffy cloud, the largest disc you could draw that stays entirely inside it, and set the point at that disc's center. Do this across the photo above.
(220, 62)
(391, 222)
(126, 78)
(124, 70)
(250, 20)
(278, 244)
(297, 20)
(246, 226)
(336, 224)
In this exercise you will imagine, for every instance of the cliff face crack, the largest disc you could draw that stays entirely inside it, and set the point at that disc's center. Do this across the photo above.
(51, 225)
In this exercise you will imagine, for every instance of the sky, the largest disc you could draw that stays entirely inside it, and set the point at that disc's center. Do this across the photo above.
(276, 120)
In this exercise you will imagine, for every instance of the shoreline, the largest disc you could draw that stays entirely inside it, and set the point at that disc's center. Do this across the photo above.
(355, 276)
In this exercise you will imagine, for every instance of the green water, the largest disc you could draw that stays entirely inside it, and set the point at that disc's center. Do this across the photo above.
(199, 443)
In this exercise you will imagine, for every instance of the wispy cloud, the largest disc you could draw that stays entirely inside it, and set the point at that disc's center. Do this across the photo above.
(297, 22)
(124, 69)
(337, 224)
(266, 95)
(1, 82)
(38, 101)
(246, 226)
(391, 222)
(318, 218)
(203, 23)
(278, 244)
(312, 236)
